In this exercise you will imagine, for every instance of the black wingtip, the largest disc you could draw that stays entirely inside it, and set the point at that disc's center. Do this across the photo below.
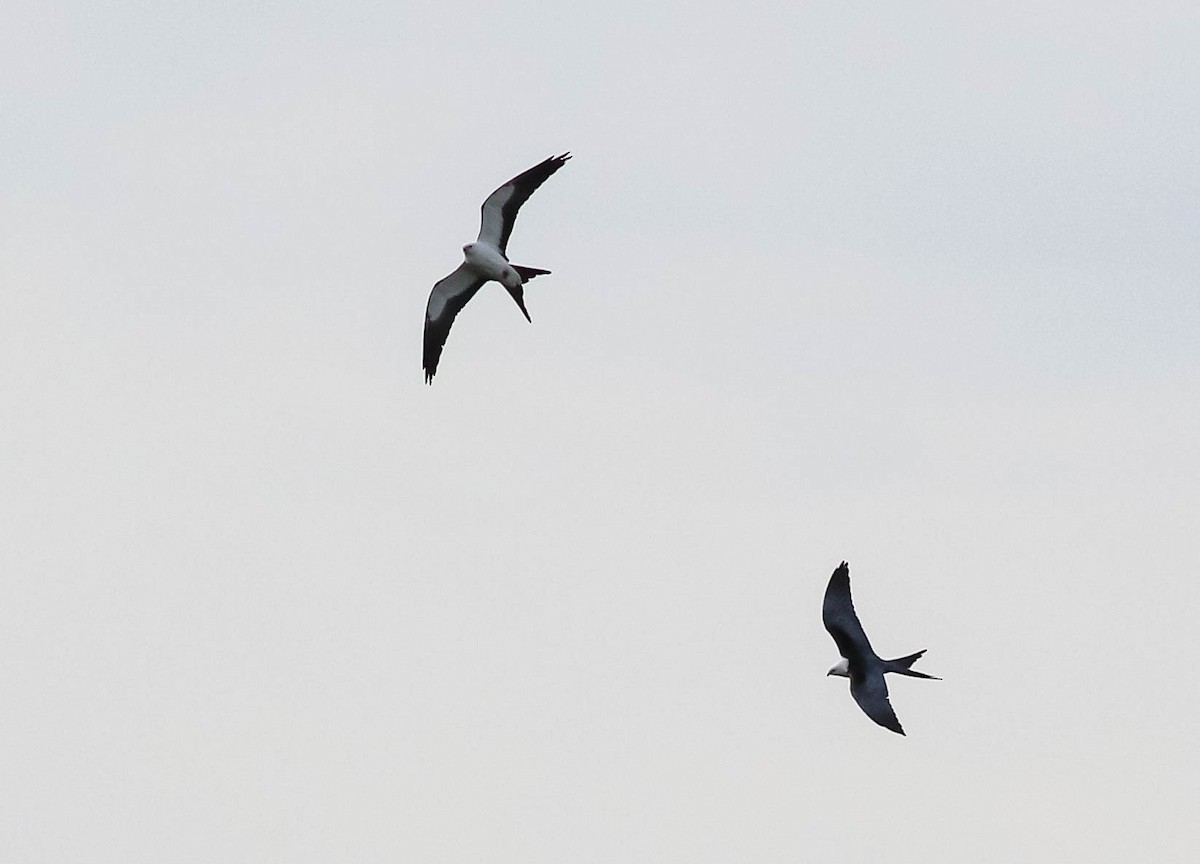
(556, 162)
(897, 728)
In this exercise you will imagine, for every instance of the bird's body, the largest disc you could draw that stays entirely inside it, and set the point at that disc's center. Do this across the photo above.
(860, 663)
(485, 260)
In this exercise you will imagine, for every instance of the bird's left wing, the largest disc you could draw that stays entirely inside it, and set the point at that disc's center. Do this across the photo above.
(500, 208)
(841, 620)
(871, 694)
(446, 299)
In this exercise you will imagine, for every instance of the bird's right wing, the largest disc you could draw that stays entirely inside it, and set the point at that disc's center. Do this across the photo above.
(841, 620)
(446, 299)
(871, 694)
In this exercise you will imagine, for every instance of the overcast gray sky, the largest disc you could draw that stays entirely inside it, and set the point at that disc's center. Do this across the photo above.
(910, 284)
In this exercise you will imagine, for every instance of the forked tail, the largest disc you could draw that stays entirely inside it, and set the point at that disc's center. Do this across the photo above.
(527, 273)
(902, 666)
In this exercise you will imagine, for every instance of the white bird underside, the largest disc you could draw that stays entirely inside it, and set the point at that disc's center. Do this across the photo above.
(485, 260)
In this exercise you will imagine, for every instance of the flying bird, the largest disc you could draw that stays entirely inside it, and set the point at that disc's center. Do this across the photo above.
(860, 663)
(484, 260)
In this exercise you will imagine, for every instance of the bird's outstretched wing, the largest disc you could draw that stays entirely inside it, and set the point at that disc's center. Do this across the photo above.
(871, 694)
(446, 299)
(500, 208)
(842, 622)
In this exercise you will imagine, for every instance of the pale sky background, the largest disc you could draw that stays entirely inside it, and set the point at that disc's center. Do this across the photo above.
(910, 284)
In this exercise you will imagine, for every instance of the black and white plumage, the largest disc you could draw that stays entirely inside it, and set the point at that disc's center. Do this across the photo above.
(862, 665)
(484, 260)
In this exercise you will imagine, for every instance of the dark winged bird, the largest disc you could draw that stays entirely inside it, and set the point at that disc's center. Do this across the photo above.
(484, 260)
(861, 664)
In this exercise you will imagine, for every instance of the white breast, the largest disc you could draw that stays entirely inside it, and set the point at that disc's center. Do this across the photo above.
(486, 260)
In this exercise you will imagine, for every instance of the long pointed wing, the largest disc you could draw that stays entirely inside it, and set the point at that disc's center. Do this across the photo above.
(871, 694)
(842, 622)
(446, 299)
(500, 208)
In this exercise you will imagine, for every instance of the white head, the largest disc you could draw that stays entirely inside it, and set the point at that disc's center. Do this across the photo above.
(487, 261)
(842, 668)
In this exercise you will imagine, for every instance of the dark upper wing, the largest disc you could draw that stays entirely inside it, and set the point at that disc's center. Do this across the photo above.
(445, 300)
(842, 622)
(500, 208)
(870, 692)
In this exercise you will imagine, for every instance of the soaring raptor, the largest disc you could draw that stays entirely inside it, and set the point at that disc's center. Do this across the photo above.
(484, 260)
(860, 663)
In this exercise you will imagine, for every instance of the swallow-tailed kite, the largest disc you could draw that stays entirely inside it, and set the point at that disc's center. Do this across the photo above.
(861, 664)
(484, 260)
